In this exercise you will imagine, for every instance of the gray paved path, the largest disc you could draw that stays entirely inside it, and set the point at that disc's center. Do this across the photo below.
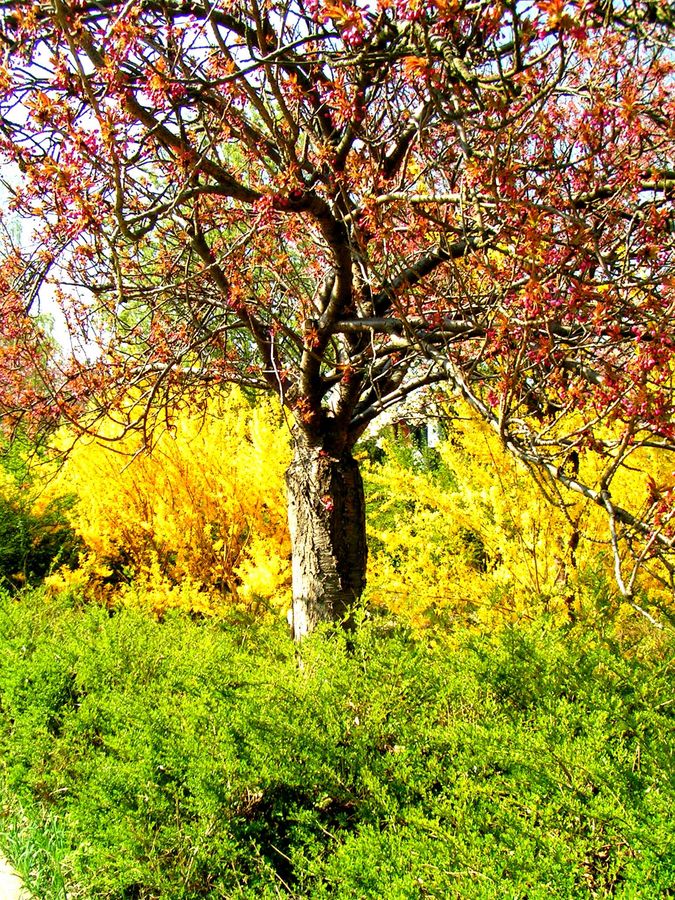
(11, 887)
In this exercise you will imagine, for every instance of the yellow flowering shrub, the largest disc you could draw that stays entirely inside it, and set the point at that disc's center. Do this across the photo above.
(479, 540)
(198, 522)
(34, 533)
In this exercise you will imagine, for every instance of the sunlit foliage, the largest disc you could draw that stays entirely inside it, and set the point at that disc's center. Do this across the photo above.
(458, 532)
(196, 759)
(34, 534)
(464, 532)
(198, 522)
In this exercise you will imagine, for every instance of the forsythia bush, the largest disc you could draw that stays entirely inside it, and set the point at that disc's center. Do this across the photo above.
(475, 538)
(34, 534)
(198, 523)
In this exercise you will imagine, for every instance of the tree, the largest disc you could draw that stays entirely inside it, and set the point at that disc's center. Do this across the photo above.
(342, 202)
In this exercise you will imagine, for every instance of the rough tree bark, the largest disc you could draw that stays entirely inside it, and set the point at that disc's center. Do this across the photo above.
(327, 522)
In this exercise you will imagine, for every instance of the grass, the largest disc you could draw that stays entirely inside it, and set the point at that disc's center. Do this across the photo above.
(36, 846)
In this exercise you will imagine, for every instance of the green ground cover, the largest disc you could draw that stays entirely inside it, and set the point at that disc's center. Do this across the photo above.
(197, 759)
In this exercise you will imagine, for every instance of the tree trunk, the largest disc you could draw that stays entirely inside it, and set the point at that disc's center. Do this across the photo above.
(327, 522)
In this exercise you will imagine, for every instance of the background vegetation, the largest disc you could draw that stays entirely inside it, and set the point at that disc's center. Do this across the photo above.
(35, 535)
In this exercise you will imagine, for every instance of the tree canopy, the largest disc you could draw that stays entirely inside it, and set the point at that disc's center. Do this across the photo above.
(341, 202)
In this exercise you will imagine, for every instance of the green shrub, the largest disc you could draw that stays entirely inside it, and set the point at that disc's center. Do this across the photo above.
(193, 759)
(34, 532)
